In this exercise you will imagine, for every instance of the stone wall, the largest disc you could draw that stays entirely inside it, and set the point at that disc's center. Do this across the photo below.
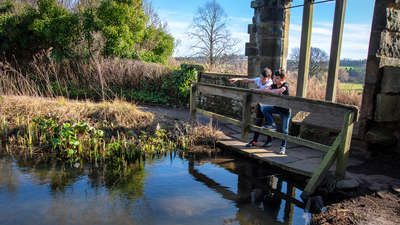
(381, 98)
(219, 104)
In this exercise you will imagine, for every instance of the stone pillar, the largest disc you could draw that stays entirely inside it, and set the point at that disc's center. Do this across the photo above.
(269, 36)
(381, 95)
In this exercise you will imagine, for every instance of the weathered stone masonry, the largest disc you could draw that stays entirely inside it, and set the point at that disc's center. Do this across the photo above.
(269, 36)
(381, 98)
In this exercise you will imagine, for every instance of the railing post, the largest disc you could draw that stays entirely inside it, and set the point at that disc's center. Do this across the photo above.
(322, 169)
(246, 116)
(344, 147)
(193, 89)
(305, 46)
(336, 46)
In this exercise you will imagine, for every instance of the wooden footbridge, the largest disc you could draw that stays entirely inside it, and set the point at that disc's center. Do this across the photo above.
(339, 113)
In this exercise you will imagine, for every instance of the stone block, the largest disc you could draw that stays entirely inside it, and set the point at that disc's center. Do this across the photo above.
(269, 3)
(251, 28)
(380, 20)
(391, 80)
(273, 14)
(368, 101)
(270, 30)
(373, 72)
(393, 20)
(257, 63)
(359, 129)
(386, 18)
(391, 3)
(347, 184)
(250, 51)
(387, 109)
(380, 137)
(389, 44)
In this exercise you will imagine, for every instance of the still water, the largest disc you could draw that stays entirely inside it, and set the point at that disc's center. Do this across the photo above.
(167, 189)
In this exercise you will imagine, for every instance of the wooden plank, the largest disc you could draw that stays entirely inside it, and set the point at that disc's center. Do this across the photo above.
(317, 107)
(289, 138)
(296, 140)
(305, 46)
(246, 116)
(322, 169)
(219, 117)
(230, 92)
(344, 148)
(336, 45)
(293, 102)
(193, 89)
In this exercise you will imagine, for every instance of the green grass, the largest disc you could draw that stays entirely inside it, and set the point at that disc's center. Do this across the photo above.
(352, 86)
(358, 69)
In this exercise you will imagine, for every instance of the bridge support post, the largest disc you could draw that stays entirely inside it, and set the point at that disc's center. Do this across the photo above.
(246, 116)
(344, 147)
(193, 89)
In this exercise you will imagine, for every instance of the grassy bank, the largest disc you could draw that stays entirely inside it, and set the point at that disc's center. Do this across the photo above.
(97, 79)
(85, 131)
(352, 86)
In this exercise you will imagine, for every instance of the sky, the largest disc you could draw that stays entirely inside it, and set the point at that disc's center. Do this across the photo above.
(356, 34)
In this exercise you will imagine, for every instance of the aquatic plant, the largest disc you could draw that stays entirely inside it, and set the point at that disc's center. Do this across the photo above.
(77, 131)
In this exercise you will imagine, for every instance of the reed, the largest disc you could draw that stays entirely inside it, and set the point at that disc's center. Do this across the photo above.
(94, 78)
(76, 130)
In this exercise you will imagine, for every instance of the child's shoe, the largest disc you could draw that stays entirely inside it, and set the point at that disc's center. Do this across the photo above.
(282, 150)
(269, 127)
(251, 143)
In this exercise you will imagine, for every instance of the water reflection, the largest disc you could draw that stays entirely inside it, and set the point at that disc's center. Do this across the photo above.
(167, 189)
(260, 196)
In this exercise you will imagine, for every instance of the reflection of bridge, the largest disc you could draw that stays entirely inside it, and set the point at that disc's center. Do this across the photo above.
(259, 195)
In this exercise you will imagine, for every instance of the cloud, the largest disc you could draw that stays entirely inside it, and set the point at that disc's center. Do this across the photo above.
(178, 25)
(321, 31)
(241, 19)
(184, 206)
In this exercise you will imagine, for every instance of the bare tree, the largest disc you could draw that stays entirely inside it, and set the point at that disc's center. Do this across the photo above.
(318, 60)
(210, 35)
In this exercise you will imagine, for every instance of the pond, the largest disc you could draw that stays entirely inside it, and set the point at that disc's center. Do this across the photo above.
(172, 188)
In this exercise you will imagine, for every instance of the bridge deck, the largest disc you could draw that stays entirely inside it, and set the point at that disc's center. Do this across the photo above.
(298, 159)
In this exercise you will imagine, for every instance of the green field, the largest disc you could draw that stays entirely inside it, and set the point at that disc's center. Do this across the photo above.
(358, 69)
(352, 86)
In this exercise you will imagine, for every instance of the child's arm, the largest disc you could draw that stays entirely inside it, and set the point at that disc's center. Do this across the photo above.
(244, 80)
(267, 89)
(280, 91)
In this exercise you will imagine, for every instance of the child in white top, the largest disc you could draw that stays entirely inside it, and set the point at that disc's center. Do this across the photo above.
(262, 82)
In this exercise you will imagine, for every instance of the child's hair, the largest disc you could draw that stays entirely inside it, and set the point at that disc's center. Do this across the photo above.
(281, 73)
(266, 72)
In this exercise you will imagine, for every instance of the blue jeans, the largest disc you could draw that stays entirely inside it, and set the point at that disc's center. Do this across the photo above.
(268, 111)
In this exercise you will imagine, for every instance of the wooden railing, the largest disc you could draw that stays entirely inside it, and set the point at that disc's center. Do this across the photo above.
(344, 114)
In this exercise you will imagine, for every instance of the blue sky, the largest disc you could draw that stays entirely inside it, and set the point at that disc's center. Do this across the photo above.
(358, 18)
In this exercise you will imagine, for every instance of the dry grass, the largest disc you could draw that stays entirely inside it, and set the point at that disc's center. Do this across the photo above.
(117, 112)
(316, 89)
(97, 74)
(114, 115)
